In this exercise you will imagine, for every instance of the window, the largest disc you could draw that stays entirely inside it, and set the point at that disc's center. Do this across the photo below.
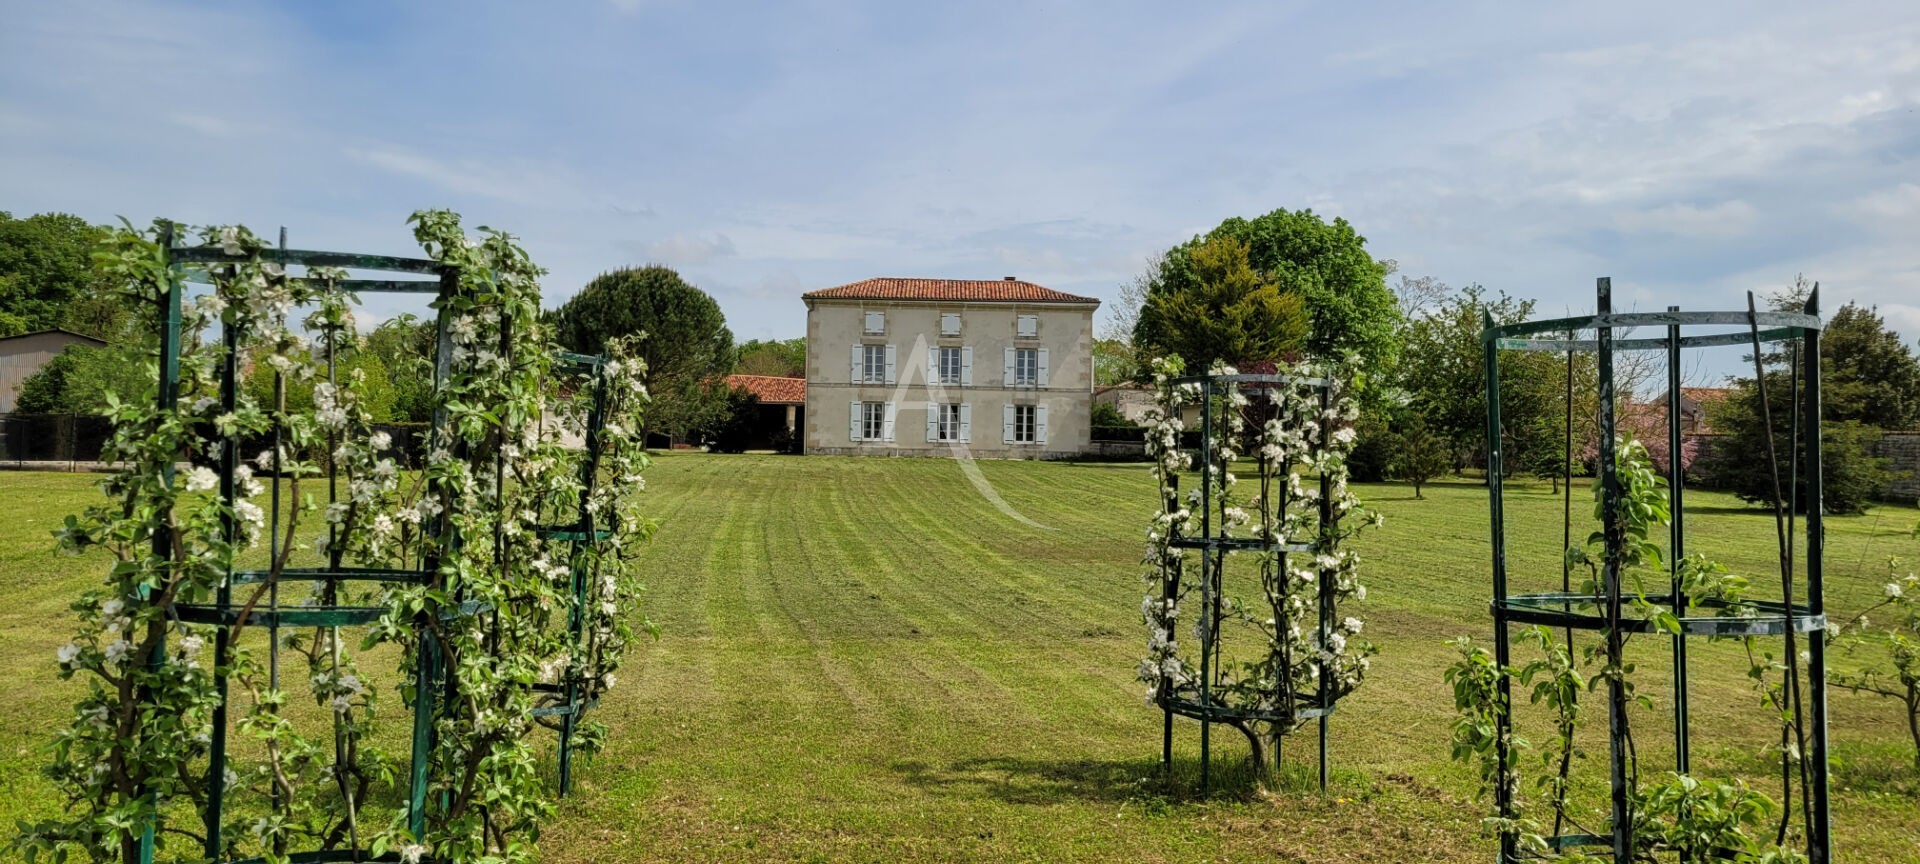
(871, 421)
(1026, 366)
(1023, 424)
(948, 368)
(946, 422)
(949, 422)
(876, 323)
(873, 364)
(1026, 325)
(949, 323)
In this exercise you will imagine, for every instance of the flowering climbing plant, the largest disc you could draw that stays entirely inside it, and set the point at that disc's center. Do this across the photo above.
(505, 558)
(1292, 513)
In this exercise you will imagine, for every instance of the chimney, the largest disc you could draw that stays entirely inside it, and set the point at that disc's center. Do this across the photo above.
(1011, 279)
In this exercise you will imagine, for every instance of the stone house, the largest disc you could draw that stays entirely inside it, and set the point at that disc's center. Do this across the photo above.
(934, 367)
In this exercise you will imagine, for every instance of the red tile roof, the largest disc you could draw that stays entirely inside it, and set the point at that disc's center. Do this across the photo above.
(771, 389)
(1706, 394)
(1000, 290)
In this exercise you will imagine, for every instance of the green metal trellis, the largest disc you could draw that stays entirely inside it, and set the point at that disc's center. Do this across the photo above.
(1789, 617)
(562, 704)
(1198, 701)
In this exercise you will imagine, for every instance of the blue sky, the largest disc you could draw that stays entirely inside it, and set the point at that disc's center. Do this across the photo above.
(1690, 151)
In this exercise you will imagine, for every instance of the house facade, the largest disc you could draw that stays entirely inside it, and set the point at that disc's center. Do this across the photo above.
(935, 367)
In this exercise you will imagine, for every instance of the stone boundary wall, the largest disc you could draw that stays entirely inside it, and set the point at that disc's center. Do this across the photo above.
(1900, 449)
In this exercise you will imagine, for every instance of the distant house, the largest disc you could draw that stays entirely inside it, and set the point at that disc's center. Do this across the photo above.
(23, 355)
(918, 367)
(783, 403)
(1693, 407)
(1131, 400)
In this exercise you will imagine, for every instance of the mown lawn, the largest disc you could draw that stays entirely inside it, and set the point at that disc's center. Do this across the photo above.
(865, 660)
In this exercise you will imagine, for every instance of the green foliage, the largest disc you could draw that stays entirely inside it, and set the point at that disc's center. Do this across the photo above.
(1105, 416)
(1227, 312)
(786, 358)
(1706, 821)
(685, 343)
(1885, 639)
(1867, 374)
(404, 345)
(1852, 478)
(375, 385)
(1442, 372)
(1419, 455)
(46, 268)
(735, 430)
(1870, 382)
(82, 378)
(1114, 362)
(12, 325)
(130, 755)
(1343, 289)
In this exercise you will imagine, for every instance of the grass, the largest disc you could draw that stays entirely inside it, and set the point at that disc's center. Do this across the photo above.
(864, 660)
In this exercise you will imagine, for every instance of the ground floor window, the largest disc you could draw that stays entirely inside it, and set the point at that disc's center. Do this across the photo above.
(871, 421)
(947, 423)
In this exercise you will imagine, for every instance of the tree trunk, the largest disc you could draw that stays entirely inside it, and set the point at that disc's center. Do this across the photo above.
(1258, 747)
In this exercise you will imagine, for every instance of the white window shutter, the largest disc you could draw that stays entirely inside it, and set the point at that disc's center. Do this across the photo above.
(1043, 368)
(856, 366)
(933, 364)
(886, 423)
(1040, 423)
(889, 364)
(853, 426)
(966, 366)
(1009, 379)
(1006, 423)
(966, 422)
(933, 422)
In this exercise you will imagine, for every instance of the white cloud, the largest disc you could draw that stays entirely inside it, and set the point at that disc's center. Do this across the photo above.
(1726, 219)
(686, 250)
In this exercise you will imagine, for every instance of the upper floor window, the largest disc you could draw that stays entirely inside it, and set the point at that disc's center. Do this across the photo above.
(949, 323)
(873, 364)
(1025, 367)
(1026, 325)
(876, 322)
(948, 368)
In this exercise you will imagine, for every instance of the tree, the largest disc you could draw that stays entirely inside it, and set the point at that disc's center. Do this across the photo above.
(1226, 311)
(377, 390)
(687, 346)
(1868, 378)
(1421, 457)
(1342, 288)
(786, 358)
(46, 271)
(1113, 362)
(1443, 376)
(404, 345)
(79, 378)
(1873, 377)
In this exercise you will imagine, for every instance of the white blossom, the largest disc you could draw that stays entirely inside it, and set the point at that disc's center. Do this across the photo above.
(67, 654)
(1893, 590)
(201, 479)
